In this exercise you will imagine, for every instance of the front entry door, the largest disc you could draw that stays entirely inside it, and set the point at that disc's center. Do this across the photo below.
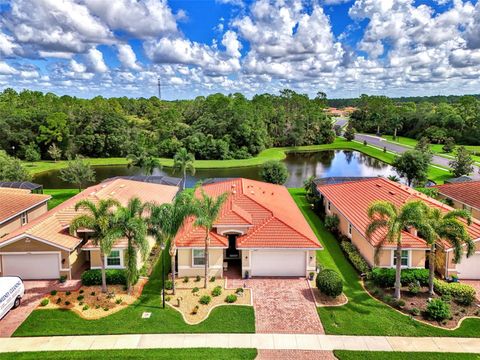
(232, 252)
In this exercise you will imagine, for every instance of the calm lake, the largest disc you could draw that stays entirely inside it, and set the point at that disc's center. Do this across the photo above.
(300, 167)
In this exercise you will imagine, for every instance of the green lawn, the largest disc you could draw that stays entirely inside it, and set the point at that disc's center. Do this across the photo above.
(435, 174)
(436, 148)
(381, 355)
(160, 354)
(364, 315)
(59, 196)
(223, 319)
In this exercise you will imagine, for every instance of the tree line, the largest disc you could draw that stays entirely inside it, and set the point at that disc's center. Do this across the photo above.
(38, 125)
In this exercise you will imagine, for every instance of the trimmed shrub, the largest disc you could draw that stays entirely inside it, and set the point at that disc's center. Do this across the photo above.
(384, 277)
(205, 300)
(44, 302)
(355, 258)
(168, 284)
(85, 307)
(332, 222)
(239, 290)
(118, 301)
(212, 279)
(462, 294)
(415, 311)
(231, 298)
(59, 300)
(53, 292)
(186, 279)
(67, 303)
(81, 291)
(414, 288)
(329, 283)
(68, 293)
(198, 278)
(438, 310)
(195, 290)
(80, 297)
(217, 291)
(114, 277)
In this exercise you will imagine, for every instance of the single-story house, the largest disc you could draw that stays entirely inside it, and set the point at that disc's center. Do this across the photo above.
(18, 207)
(260, 231)
(350, 200)
(463, 195)
(44, 248)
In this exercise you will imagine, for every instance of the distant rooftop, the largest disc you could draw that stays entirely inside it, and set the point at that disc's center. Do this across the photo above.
(153, 179)
(22, 185)
(332, 180)
(461, 179)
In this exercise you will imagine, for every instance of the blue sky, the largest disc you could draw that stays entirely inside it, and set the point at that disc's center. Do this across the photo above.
(197, 47)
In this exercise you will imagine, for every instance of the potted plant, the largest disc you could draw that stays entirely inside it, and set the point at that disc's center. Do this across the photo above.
(311, 275)
(247, 275)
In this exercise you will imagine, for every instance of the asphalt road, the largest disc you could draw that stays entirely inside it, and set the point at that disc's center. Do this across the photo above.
(341, 121)
(381, 142)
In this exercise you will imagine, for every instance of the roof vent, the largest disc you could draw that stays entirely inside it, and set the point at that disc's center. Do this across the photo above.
(392, 192)
(378, 185)
(122, 186)
(252, 192)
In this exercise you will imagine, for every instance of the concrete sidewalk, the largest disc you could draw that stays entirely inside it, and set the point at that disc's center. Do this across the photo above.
(258, 341)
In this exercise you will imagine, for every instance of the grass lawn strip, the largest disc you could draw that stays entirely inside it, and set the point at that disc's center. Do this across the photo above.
(140, 354)
(59, 196)
(363, 315)
(381, 355)
(222, 319)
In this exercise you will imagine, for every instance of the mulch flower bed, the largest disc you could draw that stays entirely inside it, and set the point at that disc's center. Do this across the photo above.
(419, 302)
(325, 300)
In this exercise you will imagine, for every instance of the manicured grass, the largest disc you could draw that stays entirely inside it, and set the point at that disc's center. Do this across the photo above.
(380, 355)
(59, 196)
(223, 319)
(160, 354)
(435, 174)
(436, 148)
(364, 315)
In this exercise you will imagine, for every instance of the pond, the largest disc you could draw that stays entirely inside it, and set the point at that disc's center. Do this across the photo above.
(300, 166)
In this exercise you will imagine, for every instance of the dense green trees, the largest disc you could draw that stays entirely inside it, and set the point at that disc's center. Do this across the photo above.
(274, 172)
(455, 119)
(78, 172)
(462, 164)
(11, 169)
(212, 127)
(413, 165)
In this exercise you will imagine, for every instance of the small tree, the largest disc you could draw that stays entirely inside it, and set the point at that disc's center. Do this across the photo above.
(463, 162)
(274, 172)
(32, 153)
(413, 165)
(423, 145)
(349, 132)
(144, 161)
(449, 145)
(11, 169)
(55, 152)
(78, 172)
(184, 161)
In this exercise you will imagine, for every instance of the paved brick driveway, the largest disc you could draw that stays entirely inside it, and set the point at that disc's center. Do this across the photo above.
(294, 354)
(282, 305)
(34, 292)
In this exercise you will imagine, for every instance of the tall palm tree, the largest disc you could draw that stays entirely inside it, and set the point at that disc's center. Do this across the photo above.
(98, 219)
(386, 215)
(184, 161)
(130, 224)
(447, 227)
(144, 161)
(165, 220)
(207, 209)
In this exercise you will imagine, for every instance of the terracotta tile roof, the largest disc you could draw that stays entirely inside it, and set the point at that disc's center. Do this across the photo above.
(13, 202)
(467, 192)
(53, 226)
(268, 211)
(352, 199)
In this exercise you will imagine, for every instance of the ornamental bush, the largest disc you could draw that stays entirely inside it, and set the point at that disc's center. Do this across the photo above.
(384, 277)
(355, 258)
(231, 298)
(114, 277)
(44, 302)
(274, 172)
(205, 300)
(438, 310)
(332, 222)
(462, 294)
(329, 283)
(217, 291)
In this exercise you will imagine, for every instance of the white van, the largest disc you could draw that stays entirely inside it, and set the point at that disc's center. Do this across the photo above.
(11, 293)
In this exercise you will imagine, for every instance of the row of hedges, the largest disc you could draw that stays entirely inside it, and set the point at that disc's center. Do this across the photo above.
(384, 277)
(463, 294)
(114, 277)
(355, 258)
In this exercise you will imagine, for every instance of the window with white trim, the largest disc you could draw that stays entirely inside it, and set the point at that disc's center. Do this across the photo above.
(405, 257)
(198, 257)
(24, 218)
(350, 229)
(114, 259)
(328, 205)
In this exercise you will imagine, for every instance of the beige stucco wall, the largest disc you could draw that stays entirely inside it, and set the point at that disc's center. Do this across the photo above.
(16, 222)
(186, 268)
(77, 259)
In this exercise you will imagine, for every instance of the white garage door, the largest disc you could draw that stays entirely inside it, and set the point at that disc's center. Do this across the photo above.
(278, 263)
(469, 268)
(31, 266)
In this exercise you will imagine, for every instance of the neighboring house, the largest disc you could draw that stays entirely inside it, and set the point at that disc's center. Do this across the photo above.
(44, 248)
(464, 195)
(260, 230)
(350, 200)
(18, 207)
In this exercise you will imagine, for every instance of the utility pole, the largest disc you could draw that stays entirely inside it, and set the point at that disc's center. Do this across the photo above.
(159, 89)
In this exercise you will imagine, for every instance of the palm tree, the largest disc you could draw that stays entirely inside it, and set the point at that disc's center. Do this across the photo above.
(207, 209)
(447, 227)
(144, 161)
(184, 161)
(165, 220)
(130, 224)
(386, 215)
(98, 219)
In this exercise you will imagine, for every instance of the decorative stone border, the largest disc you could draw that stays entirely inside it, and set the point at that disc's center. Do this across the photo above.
(345, 301)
